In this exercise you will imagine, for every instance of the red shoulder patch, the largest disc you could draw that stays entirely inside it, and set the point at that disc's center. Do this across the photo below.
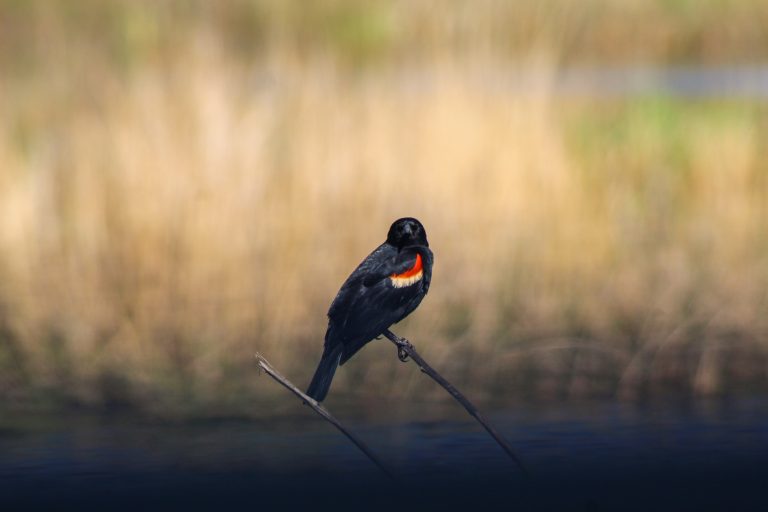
(415, 269)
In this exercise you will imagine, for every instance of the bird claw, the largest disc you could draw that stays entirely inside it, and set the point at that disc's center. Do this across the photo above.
(402, 355)
(402, 345)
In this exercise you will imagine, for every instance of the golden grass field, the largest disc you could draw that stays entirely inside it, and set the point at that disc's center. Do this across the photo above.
(177, 193)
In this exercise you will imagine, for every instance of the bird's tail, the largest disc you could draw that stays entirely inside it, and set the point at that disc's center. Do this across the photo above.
(321, 382)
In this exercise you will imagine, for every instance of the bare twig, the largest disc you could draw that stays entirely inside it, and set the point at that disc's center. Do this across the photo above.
(319, 409)
(405, 347)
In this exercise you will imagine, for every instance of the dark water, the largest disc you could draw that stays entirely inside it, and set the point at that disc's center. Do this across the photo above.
(605, 456)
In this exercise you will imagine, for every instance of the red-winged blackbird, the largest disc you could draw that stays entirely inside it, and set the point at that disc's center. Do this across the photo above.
(382, 290)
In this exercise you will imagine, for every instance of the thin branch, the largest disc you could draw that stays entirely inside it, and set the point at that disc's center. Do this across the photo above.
(405, 347)
(319, 409)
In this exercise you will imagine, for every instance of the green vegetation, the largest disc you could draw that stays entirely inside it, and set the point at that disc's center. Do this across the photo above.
(185, 183)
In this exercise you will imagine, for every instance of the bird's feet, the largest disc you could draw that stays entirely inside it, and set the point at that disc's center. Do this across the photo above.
(402, 355)
(402, 348)
(403, 345)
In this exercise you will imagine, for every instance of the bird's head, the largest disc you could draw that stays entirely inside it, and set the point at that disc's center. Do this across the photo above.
(407, 231)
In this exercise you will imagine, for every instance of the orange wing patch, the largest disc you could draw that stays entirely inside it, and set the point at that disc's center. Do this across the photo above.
(410, 276)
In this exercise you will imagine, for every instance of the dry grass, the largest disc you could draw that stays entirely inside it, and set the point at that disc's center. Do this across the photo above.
(160, 225)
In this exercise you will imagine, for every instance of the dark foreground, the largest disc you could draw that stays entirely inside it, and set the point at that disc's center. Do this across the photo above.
(701, 456)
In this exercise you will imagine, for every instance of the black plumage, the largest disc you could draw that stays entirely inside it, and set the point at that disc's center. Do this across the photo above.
(385, 288)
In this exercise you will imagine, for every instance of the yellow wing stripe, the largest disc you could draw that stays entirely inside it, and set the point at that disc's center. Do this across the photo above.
(401, 282)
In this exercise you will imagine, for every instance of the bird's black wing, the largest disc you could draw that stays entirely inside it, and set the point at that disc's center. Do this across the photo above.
(384, 261)
(380, 307)
(368, 303)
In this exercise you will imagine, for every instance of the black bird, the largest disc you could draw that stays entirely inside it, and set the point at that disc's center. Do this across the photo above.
(382, 290)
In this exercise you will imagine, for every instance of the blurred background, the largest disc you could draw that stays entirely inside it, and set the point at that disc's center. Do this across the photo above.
(185, 183)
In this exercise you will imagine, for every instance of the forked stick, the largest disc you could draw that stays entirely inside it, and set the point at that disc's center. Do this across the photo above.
(406, 347)
(319, 409)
